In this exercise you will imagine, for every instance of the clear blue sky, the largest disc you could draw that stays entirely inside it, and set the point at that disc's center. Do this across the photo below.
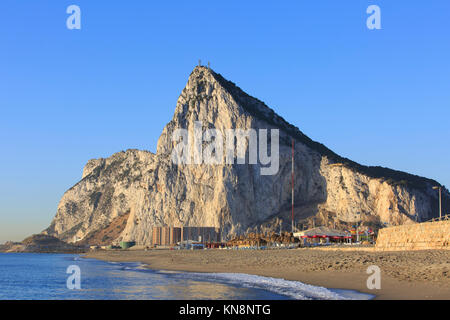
(378, 97)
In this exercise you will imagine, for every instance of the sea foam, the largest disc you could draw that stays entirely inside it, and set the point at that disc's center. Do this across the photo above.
(292, 289)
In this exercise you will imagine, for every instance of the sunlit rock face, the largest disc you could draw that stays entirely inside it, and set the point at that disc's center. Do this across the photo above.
(155, 191)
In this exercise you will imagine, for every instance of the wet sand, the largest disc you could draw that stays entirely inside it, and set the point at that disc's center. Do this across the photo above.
(404, 275)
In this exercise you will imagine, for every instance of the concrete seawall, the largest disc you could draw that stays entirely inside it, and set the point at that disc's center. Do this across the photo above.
(420, 236)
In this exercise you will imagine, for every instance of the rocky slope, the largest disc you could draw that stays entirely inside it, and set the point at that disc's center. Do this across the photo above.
(151, 190)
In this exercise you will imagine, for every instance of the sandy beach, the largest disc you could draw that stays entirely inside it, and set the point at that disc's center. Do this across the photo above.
(404, 275)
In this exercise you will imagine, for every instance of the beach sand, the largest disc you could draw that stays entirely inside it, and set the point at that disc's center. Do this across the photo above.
(404, 275)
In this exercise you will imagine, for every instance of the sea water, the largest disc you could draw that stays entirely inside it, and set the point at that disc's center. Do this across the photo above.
(44, 276)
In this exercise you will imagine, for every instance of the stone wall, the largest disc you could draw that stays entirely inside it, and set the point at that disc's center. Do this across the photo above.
(420, 236)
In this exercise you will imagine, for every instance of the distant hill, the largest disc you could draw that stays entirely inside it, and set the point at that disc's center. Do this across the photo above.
(41, 243)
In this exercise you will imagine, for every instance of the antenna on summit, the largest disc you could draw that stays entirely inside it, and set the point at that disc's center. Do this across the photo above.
(199, 62)
(209, 66)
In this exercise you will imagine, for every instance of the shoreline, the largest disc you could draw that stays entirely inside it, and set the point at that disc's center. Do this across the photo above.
(402, 272)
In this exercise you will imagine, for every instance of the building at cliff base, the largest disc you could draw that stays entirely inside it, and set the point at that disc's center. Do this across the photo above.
(165, 236)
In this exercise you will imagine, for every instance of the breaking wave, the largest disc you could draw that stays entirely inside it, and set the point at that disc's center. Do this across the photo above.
(292, 289)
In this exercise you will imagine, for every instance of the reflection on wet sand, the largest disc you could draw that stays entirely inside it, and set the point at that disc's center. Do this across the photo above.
(200, 290)
(130, 281)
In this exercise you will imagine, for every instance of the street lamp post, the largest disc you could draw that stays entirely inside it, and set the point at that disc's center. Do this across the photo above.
(440, 201)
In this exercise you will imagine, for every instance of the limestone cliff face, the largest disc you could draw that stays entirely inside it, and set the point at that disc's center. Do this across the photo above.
(152, 190)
